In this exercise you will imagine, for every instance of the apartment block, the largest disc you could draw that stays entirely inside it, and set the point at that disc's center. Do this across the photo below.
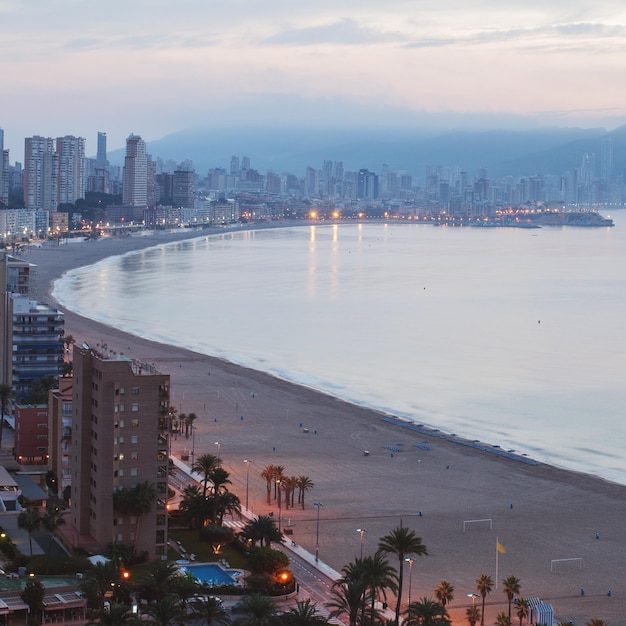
(119, 441)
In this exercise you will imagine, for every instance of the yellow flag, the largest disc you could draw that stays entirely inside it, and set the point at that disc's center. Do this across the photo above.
(500, 548)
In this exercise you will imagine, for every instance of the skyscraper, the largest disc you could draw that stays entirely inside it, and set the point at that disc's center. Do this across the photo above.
(101, 155)
(4, 171)
(135, 177)
(40, 173)
(71, 163)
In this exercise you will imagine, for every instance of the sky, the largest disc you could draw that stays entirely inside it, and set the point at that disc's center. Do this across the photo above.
(149, 67)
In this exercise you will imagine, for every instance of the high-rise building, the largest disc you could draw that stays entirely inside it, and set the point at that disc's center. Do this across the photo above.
(183, 189)
(71, 162)
(101, 155)
(40, 173)
(4, 176)
(135, 177)
(367, 186)
(119, 442)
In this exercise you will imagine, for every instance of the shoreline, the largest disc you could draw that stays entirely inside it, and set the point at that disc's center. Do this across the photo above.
(535, 508)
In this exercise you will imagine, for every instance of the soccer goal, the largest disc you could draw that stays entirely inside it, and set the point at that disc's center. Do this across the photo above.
(573, 560)
(467, 522)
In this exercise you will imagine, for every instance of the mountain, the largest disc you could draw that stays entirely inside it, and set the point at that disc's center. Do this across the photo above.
(501, 152)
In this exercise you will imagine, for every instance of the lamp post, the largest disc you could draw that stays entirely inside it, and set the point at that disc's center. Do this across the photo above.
(193, 445)
(280, 505)
(473, 596)
(410, 561)
(361, 532)
(219, 446)
(247, 462)
(317, 531)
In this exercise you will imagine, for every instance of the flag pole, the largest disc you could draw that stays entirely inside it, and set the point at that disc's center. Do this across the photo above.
(497, 559)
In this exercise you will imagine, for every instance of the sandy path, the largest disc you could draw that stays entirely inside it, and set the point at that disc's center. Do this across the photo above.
(539, 513)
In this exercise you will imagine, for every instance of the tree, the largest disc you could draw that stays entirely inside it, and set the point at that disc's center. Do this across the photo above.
(136, 501)
(523, 606)
(6, 394)
(220, 478)
(38, 389)
(205, 465)
(189, 420)
(502, 619)
(210, 610)
(426, 612)
(195, 505)
(401, 542)
(484, 585)
(52, 521)
(255, 610)
(30, 521)
(511, 587)
(261, 529)
(304, 484)
(115, 614)
(379, 576)
(33, 595)
(267, 473)
(303, 614)
(472, 615)
(444, 592)
(347, 599)
(166, 612)
(99, 581)
(157, 582)
(227, 504)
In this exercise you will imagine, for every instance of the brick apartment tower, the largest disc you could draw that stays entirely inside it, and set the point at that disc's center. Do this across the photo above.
(119, 440)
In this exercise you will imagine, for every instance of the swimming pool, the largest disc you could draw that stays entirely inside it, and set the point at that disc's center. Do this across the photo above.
(213, 574)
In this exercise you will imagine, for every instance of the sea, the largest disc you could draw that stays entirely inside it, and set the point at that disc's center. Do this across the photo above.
(515, 337)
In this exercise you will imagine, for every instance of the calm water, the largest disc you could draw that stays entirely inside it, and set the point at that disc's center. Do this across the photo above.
(511, 336)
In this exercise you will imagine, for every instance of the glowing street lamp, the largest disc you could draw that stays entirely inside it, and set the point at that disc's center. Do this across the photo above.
(410, 561)
(361, 532)
(219, 447)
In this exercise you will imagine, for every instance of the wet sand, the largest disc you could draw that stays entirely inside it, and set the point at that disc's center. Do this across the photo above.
(537, 512)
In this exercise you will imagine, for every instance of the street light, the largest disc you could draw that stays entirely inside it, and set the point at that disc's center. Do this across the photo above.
(473, 596)
(280, 505)
(317, 531)
(361, 532)
(410, 561)
(219, 446)
(193, 445)
(247, 462)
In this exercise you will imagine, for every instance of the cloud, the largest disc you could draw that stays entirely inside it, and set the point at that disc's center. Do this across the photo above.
(558, 31)
(343, 32)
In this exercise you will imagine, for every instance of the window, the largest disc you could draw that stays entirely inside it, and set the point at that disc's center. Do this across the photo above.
(135, 391)
(134, 439)
(135, 406)
(134, 455)
(135, 423)
(121, 456)
(134, 471)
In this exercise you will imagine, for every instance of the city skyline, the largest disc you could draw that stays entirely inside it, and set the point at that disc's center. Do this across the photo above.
(247, 63)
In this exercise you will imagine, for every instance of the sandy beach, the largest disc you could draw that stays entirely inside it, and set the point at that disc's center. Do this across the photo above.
(540, 514)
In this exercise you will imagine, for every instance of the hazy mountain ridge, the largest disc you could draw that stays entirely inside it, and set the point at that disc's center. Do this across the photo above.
(501, 152)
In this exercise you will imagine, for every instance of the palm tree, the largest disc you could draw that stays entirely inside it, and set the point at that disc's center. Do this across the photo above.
(279, 472)
(267, 473)
(29, 520)
(205, 465)
(347, 599)
(255, 610)
(444, 592)
(6, 393)
(166, 612)
(136, 501)
(401, 542)
(303, 614)
(596, 622)
(33, 595)
(484, 585)
(210, 610)
(502, 619)
(227, 504)
(511, 587)
(158, 581)
(99, 580)
(472, 615)
(115, 615)
(426, 612)
(523, 606)
(189, 420)
(379, 576)
(52, 521)
(262, 529)
(304, 484)
(220, 478)
(290, 485)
